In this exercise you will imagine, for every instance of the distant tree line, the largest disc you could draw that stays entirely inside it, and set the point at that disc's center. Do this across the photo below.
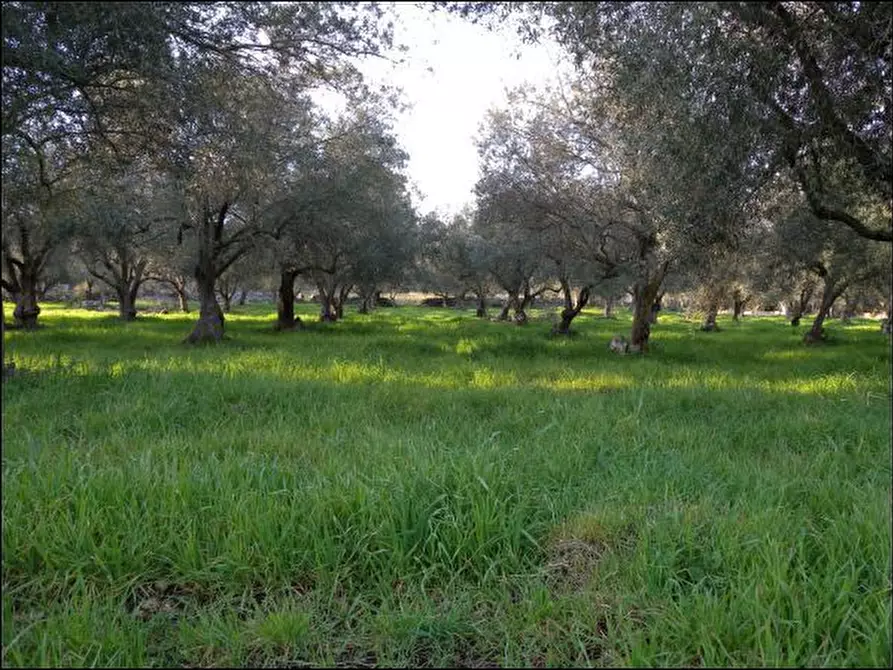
(730, 152)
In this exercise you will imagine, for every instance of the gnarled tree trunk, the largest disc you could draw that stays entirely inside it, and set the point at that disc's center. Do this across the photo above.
(210, 325)
(645, 294)
(127, 302)
(285, 305)
(26, 310)
(571, 310)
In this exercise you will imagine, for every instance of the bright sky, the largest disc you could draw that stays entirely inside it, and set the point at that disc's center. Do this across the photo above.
(452, 74)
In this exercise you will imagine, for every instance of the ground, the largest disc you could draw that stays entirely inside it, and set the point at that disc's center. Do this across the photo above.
(417, 487)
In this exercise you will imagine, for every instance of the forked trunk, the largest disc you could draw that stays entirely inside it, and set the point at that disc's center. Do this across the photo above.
(209, 327)
(285, 306)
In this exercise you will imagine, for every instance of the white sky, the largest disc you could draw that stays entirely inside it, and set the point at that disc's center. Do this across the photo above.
(452, 74)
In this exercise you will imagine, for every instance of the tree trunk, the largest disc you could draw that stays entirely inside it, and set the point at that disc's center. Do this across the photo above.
(88, 294)
(522, 304)
(570, 311)
(27, 310)
(656, 307)
(243, 296)
(327, 309)
(210, 325)
(126, 302)
(343, 292)
(849, 309)
(285, 307)
(710, 318)
(816, 333)
(504, 314)
(481, 311)
(227, 301)
(609, 307)
(798, 309)
(739, 300)
(183, 299)
(644, 297)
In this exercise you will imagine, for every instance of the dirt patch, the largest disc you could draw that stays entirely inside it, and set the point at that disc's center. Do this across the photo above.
(572, 563)
(164, 598)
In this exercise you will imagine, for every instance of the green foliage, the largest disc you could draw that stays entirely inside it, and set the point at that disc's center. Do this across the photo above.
(419, 487)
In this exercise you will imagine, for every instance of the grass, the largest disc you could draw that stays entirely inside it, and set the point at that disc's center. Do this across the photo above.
(417, 487)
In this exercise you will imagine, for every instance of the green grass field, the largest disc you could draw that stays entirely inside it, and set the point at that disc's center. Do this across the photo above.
(416, 487)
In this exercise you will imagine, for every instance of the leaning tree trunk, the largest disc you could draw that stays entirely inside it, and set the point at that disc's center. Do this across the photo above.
(285, 307)
(570, 311)
(209, 327)
(27, 310)
(816, 333)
